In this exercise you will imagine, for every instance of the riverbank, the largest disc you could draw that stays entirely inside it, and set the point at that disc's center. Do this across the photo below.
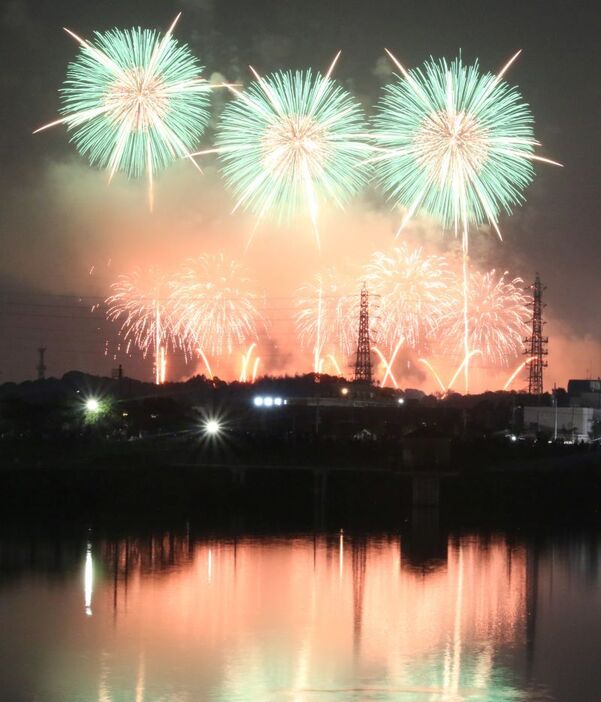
(149, 484)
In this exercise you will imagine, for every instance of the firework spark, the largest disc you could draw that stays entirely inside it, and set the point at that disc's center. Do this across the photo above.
(215, 304)
(498, 318)
(458, 144)
(141, 302)
(134, 101)
(290, 141)
(413, 292)
(327, 317)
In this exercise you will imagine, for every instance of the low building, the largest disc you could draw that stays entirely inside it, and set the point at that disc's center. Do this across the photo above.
(585, 393)
(569, 423)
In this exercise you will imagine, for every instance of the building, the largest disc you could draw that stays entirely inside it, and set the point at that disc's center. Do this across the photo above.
(585, 393)
(567, 423)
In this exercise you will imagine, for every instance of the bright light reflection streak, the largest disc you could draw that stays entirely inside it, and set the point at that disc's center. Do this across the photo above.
(457, 638)
(88, 580)
(516, 371)
(103, 692)
(141, 679)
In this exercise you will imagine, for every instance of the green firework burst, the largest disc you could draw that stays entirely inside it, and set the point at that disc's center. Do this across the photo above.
(454, 142)
(134, 101)
(291, 141)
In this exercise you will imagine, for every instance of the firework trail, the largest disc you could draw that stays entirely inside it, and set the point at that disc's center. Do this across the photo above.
(328, 316)
(246, 356)
(291, 141)
(498, 318)
(414, 293)
(141, 303)
(515, 373)
(215, 304)
(458, 144)
(134, 101)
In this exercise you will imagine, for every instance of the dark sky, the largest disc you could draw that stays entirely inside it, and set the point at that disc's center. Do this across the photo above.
(45, 225)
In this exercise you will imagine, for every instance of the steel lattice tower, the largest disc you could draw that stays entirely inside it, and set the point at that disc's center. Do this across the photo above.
(536, 345)
(363, 360)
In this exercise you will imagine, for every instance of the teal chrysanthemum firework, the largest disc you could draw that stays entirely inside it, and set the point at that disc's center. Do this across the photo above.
(455, 142)
(292, 141)
(134, 101)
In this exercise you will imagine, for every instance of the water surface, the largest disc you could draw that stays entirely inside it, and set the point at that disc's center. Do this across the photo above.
(302, 618)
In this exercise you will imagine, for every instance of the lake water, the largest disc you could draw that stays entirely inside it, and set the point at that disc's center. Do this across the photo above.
(307, 618)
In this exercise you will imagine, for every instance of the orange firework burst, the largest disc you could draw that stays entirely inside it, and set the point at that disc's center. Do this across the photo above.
(141, 302)
(498, 317)
(327, 317)
(215, 304)
(413, 293)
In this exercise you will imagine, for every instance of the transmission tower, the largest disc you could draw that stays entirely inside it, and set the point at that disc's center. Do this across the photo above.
(536, 345)
(41, 367)
(363, 359)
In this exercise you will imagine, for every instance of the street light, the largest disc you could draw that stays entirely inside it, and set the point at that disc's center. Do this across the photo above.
(212, 427)
(92, 405)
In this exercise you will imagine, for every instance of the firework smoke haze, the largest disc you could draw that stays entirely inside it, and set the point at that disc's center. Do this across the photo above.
(134, 101)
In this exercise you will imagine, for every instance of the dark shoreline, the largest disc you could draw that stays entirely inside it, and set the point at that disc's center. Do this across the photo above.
(566, 491)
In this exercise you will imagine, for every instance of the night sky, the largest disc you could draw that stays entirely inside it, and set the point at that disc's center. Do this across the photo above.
(58, 218)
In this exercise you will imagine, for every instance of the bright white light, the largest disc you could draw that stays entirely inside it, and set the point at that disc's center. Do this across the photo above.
(92, 405)
(401, 400)
(258, 402)
(88, 584)
(212, 427)
(513, 437)
(277, 401)
(344, 391)
(268, 401)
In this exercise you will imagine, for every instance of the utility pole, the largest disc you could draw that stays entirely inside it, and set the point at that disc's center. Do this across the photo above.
(555, 406)
(41, 368)
(363, 371)
(536, 345)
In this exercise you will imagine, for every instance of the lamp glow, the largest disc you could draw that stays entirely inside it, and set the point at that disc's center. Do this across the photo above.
(92, 405)
(212, 427)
